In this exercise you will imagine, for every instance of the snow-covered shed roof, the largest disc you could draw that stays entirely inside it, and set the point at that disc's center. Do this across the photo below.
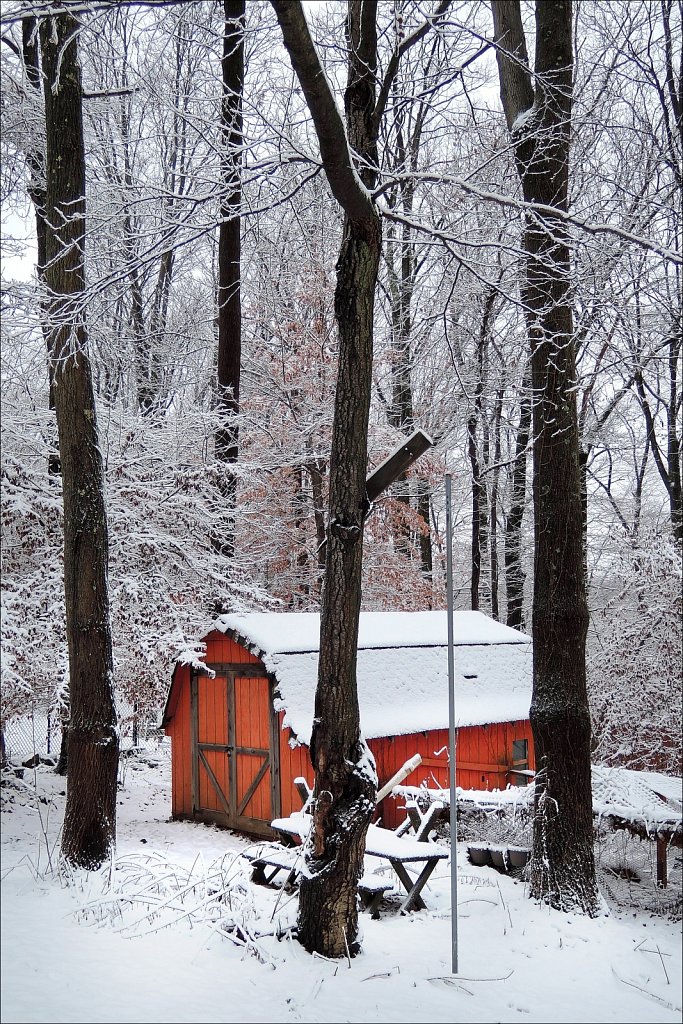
(293, 632)
(402, 668)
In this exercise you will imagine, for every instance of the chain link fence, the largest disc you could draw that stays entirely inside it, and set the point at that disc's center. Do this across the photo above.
(39, 733)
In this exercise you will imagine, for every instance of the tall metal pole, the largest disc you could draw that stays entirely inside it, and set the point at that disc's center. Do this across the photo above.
(451, 729)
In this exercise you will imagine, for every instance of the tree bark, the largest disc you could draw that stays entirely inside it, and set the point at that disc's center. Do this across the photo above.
(229, 269)
(35, 159)
(345, 778)
(562, 867)
(90, 817)
(515, 576)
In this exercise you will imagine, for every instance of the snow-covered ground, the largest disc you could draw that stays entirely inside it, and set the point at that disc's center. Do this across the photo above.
(153, 946)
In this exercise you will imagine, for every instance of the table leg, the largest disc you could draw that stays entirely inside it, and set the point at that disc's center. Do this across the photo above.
(413, 888)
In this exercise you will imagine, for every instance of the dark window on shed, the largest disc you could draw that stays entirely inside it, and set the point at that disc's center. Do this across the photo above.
(520, 761)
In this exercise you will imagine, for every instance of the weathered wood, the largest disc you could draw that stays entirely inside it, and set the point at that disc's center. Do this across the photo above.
(304, 791)
(371, 887)
(397, 463)
(222, 668)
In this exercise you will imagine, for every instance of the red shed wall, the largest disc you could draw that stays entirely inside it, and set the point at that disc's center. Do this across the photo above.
(180, 730)
(219, 649)
(483, 757)
(294, 762)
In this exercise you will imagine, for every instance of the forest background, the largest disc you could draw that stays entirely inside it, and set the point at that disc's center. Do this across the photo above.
(450, 344)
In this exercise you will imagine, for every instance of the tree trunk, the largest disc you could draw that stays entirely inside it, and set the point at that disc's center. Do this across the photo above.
(345, 781)
(562, 868)
(478, 509)
(35, 160)
(345, 778)
(229, 269)
(423, 507)
(90, 817)
(515, 576)
(493, 523)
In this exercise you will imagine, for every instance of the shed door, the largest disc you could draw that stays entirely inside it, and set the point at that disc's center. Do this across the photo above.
(212, 749)
(252, 758)
(233, 759)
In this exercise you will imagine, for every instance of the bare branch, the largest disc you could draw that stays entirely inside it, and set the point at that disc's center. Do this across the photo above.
(345, 183)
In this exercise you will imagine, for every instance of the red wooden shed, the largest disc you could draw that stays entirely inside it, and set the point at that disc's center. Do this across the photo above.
(240, 720)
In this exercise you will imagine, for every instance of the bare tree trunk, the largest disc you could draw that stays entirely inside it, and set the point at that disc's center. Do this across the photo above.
(345, 778)
(35, 160)
(90, 817)
(478, 508)
(514, 574)
(229, 268)
(480, 516)
(493, 523)
(316, 472)
(539, 117)
(423, 507)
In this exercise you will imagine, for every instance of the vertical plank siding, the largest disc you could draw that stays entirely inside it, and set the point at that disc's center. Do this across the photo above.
(483, 760)
(252, 719)
(484, 753)
(295, 762)
(179, 729)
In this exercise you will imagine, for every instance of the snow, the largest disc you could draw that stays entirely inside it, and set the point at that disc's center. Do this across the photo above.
(405, 690)
(644, 798)
(403, 654)
(522, 119)
(649, 799)
(294, 632)
(87, 952)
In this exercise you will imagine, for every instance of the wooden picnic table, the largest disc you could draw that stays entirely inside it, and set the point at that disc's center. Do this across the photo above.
(384, 845)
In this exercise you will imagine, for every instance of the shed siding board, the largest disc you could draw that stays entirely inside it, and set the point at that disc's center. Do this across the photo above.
(485, 745)
(179, 731)
(294, 762)
(213, 728)
(252, 713)
(223, 649)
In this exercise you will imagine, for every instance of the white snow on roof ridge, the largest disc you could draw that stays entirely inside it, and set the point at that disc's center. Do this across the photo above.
(299, 632)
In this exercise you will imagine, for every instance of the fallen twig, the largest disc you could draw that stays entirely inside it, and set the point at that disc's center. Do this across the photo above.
(645, 992)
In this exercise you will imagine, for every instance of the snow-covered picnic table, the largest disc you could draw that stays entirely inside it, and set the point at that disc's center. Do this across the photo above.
(384, 845)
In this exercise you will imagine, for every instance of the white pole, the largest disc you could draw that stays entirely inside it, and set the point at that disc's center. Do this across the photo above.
(451, 729)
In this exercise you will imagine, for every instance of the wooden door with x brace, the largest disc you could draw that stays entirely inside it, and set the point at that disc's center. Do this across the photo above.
(234, 768)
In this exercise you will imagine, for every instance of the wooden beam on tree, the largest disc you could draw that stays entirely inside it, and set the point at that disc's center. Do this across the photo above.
(401, 459)
(397, 463)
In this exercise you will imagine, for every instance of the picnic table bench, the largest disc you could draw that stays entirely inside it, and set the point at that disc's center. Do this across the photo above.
(385, 845)
(270, 859)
